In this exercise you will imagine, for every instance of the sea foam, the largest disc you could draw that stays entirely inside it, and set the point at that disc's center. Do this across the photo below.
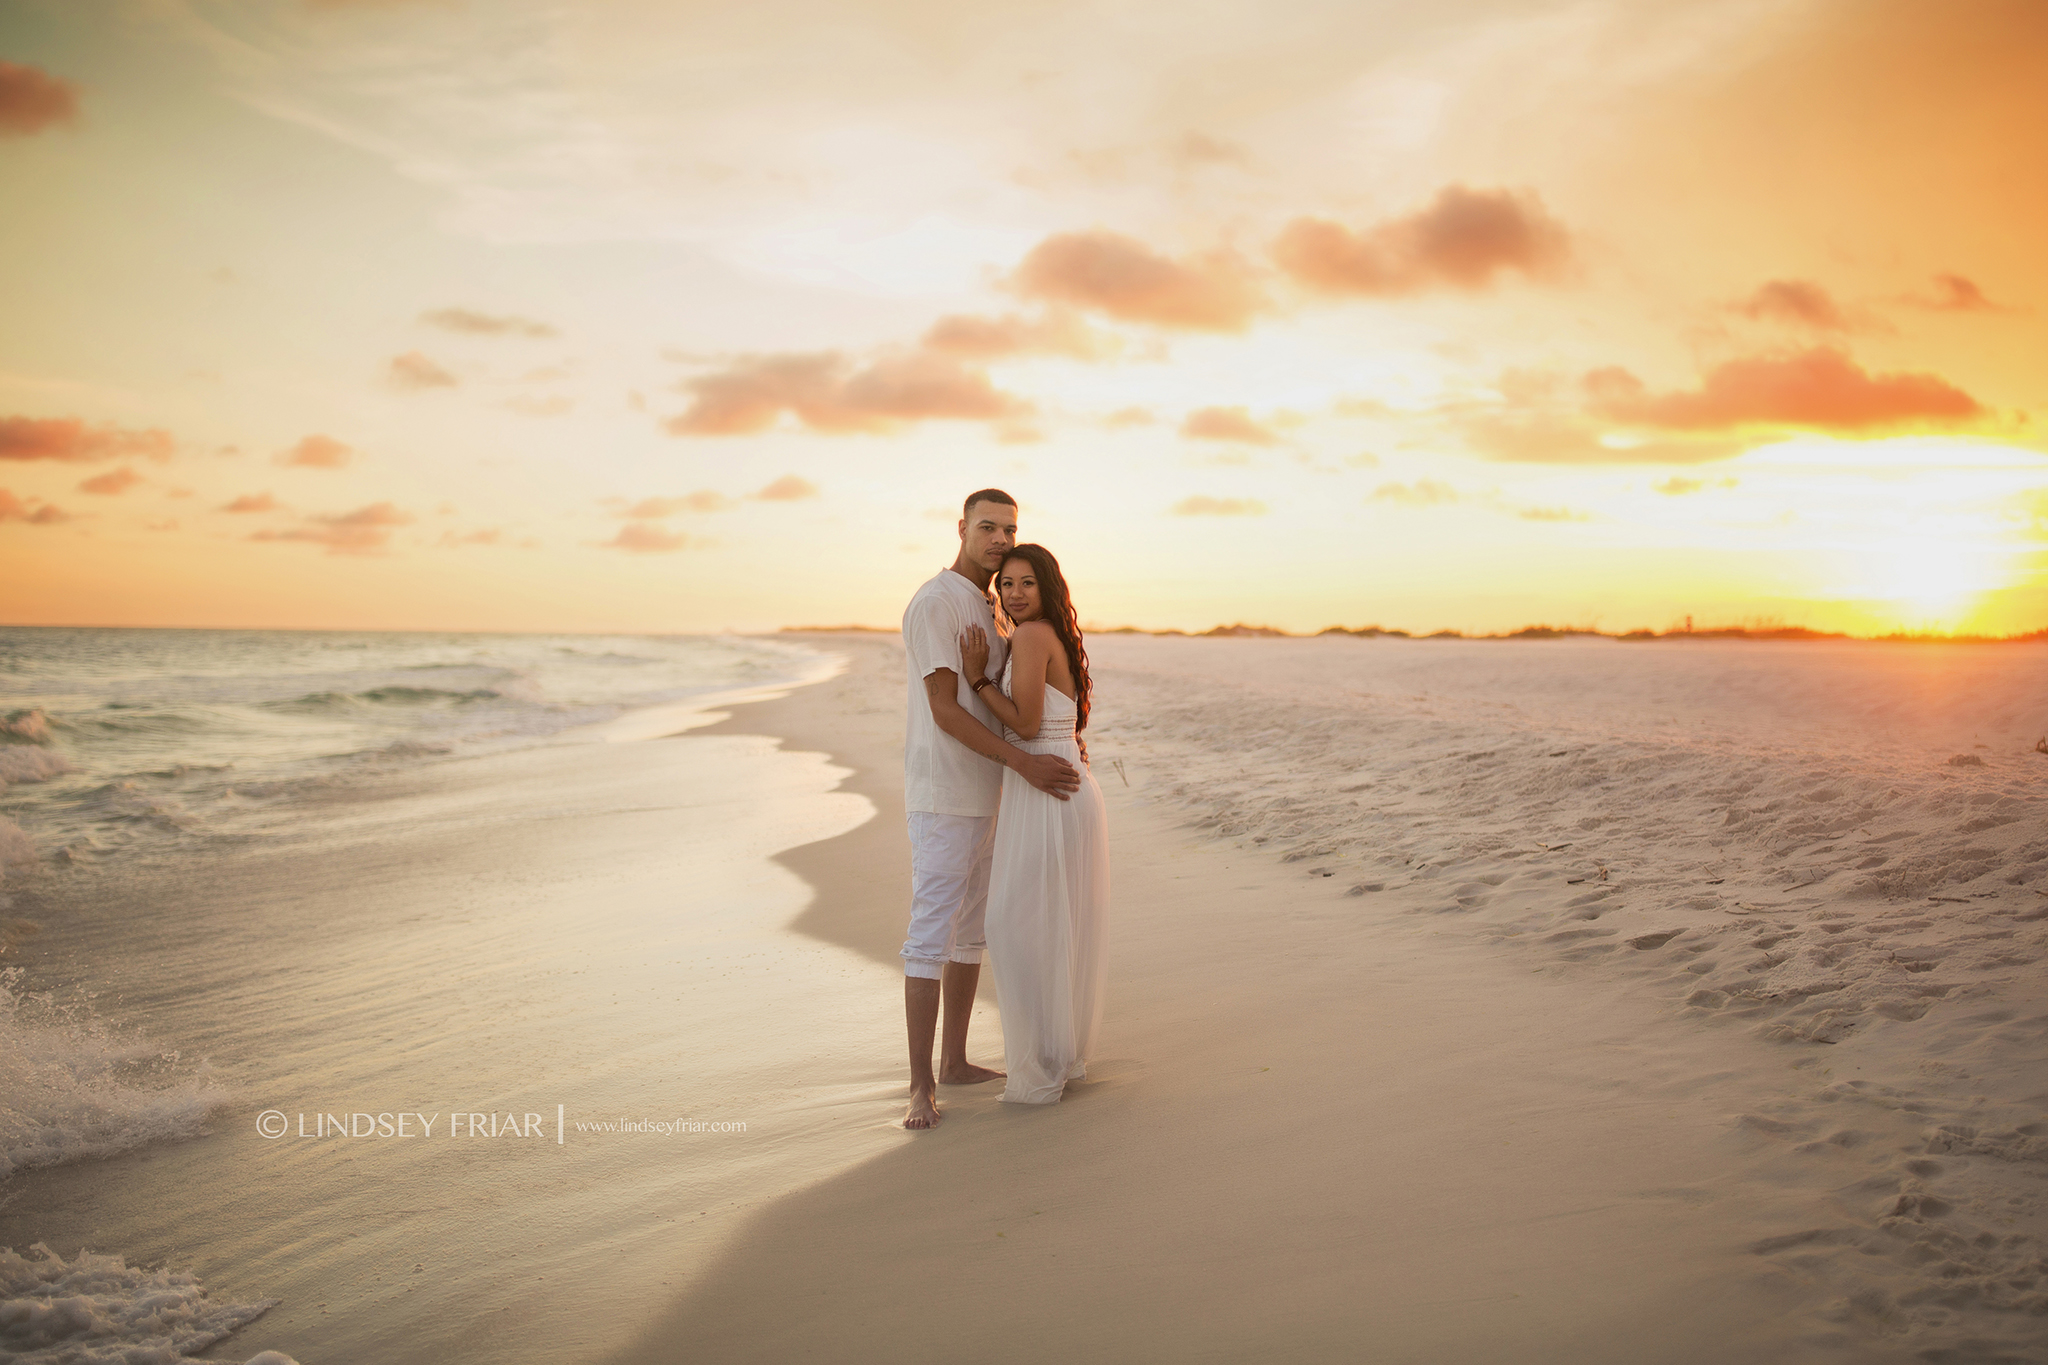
(22, 764)
(99, 1310)
(71, 1087)
(25, 727)
(16, 848)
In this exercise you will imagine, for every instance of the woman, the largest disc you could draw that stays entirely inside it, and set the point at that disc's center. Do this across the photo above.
(1048, 895)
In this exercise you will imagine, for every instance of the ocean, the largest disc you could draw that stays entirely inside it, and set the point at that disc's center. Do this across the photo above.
(119, 744)
(364, 995)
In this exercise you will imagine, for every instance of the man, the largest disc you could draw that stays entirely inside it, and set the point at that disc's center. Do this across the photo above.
(953, 757)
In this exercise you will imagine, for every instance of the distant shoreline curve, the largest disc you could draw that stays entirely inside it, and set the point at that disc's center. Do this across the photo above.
(1243, 631)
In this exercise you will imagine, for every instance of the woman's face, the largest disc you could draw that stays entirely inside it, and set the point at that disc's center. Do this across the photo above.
(1017, 585)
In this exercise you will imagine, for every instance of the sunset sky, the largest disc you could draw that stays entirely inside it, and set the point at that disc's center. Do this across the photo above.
(637, 315)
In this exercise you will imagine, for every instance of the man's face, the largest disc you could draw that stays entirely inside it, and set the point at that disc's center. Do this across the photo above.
(987, 532)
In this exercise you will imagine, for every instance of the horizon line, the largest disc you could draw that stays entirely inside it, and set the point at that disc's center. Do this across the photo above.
(1236, 630)
(1240, 630)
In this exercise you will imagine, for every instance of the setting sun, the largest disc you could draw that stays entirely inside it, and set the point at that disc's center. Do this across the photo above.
(1937, 582)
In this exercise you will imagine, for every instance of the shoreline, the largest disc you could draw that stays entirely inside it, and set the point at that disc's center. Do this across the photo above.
(591, 925)
(1321, 1126)
(834, 718)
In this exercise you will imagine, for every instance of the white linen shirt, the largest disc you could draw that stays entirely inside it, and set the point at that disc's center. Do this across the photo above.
(940, 774)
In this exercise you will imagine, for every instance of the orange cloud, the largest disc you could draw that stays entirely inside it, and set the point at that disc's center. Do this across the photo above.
(1955, 294)
(967, 336)
(32, 99)
(1226, 424)
(654, 509)
(1122, 277)
(642, 538)
(1796, 301)
(363, 531)
(1423, 493)
(414, 371)
(827, 394)
(1130, 417)
(1538, 437)
(749, 396)
(317, 452)
(1736, 405)
(485, 324)
(788, 488)
(34, 511)
(1200, 506)
(1817, 390)
(1462, 240)
(253, 502)
(1553, 514)
(114, 481)
(68, 438)
(488, 536)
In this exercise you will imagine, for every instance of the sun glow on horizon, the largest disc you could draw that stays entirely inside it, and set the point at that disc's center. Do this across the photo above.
(1936, 584)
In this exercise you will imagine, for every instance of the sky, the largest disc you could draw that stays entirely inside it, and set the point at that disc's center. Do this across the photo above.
(647, 316)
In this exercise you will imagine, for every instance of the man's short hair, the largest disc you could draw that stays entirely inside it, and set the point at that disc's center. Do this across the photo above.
(987, 495)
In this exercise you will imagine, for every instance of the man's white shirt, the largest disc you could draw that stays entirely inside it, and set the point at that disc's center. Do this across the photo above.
(940, 774)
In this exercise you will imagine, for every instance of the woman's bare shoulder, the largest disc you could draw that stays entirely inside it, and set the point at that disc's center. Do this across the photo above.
(1035, 630)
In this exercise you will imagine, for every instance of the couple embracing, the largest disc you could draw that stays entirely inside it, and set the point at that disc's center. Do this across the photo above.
(1008, 841)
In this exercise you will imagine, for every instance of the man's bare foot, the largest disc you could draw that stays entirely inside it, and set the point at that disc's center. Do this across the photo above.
(923, 1111)
(967, 1073)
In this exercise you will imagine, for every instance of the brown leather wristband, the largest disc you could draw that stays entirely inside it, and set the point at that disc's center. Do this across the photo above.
(980, 683)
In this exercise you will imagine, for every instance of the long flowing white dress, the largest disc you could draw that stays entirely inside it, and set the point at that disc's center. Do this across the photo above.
(1048, 914)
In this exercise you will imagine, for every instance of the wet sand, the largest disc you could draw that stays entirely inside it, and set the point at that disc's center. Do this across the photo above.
(581, 949)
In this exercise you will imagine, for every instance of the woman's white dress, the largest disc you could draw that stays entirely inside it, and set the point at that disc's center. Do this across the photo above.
(1048, 913)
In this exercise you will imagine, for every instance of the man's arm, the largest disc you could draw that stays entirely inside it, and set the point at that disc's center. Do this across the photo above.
(1049, 773)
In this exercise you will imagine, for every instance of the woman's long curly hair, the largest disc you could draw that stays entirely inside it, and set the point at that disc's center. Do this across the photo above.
(1057, 607)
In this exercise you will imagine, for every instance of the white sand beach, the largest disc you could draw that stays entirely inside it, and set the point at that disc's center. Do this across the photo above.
(1470, 1001)
(1480, 1001)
